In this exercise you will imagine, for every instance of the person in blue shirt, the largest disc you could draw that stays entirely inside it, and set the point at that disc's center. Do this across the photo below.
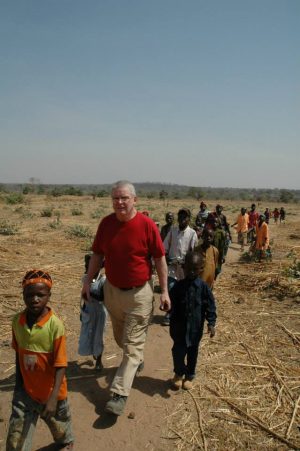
(192, 303)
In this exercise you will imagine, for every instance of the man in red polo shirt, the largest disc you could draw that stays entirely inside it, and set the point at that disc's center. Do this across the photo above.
(127, 240)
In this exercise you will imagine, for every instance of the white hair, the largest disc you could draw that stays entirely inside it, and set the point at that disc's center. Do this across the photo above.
(124, 184)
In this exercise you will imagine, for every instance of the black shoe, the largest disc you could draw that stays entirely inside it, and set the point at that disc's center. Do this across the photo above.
(99, 364)
(166, 320)
(116, 404)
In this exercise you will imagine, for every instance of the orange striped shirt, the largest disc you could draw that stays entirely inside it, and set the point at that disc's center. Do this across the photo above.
(41, 350)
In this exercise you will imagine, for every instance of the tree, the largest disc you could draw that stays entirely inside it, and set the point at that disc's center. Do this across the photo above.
(286, 196)
(163, 194)
(196, 193)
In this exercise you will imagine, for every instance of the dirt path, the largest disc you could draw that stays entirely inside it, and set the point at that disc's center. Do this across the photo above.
(150, 401)
(235, 362)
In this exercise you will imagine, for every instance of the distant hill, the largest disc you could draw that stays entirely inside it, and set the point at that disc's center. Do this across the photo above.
(160, 190)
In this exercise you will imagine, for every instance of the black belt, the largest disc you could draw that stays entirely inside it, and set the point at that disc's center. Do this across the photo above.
(131, 288)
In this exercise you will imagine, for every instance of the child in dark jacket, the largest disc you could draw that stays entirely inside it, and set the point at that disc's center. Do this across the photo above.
(192, 304)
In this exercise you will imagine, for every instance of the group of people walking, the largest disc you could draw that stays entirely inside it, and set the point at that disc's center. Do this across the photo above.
(128, 244)
(252, 228)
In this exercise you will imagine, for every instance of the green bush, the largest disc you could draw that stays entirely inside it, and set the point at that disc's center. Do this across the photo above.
(7, 228)
(293, 270)
(98, 213)
(79, 231)
(56, 224)
(14, 198)
(87, 245)
(47, 212)
(57, 214)
(76, 212)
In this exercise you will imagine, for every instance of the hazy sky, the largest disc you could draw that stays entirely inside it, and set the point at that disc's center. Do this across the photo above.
(195, 92)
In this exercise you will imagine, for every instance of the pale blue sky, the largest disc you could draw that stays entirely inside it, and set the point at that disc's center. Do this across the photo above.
(202, 93)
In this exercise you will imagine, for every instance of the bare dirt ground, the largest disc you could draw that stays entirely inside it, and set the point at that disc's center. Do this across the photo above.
(246, 394)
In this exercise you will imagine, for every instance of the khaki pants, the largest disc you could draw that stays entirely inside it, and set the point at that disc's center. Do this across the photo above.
(130, 312)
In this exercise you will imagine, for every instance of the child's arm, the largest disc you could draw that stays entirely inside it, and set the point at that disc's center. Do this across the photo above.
(210, 313)
(51, 404)
(19, 377)
(94, 266)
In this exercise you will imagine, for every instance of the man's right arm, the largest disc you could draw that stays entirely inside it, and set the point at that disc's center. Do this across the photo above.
(94, 267)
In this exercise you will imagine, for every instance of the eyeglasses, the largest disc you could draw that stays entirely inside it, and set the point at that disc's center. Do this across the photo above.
(121, 199)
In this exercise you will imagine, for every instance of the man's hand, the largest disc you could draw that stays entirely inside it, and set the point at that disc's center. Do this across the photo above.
(165, 302)
(50, 407)
(211, 331)
(85, 292)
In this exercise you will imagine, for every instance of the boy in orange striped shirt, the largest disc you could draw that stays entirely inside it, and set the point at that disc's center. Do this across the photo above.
(41, 388)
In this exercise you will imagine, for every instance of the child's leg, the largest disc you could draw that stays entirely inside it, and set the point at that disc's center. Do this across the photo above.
(60, 425)
(192, 356)
(22, 423)
(179, 351)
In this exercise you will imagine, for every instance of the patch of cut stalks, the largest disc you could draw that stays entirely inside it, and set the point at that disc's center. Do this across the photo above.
(247, 389)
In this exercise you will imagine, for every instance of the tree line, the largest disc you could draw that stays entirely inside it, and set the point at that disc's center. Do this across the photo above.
(159, 191)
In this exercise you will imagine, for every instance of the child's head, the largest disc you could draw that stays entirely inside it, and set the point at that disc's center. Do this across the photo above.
(253, 207)
(219, 209)
(192, 265)
(169, 218)
(207, 237)
(184, 216)
(203, 206)
(243, 211)
(36, 290)
(198, 230)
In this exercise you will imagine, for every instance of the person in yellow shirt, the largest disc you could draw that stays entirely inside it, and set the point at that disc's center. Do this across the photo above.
(242, 223)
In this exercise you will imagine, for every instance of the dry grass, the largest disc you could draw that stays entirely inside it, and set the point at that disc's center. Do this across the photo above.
(247, 393)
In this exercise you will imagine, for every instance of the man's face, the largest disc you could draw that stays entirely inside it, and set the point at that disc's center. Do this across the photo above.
(219, 209)
(123, 203)
(183, 220)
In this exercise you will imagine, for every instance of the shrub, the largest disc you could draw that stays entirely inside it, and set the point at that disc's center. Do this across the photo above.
(47, 212)
(57, 214)
(98, 213)
(293, 270)
(56, 192)
(14, 198)
(79, 231)
(7, 228)
(56, 224)
(28, 189)
(87, 245)
(76, 212)
(102, 193)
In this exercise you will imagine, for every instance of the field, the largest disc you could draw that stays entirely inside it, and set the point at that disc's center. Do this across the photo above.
(247, 391)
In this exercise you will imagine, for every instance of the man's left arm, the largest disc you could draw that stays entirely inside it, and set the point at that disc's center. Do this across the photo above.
(162, 272)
